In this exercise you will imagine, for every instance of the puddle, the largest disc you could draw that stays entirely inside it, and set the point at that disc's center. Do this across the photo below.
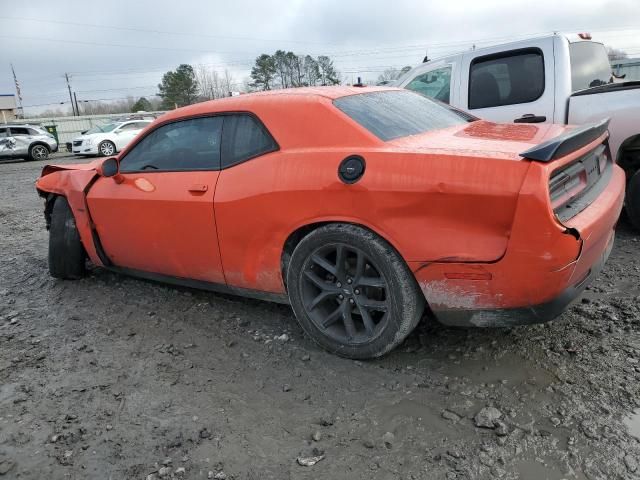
(511, 368)
(540, 469)
(632, 422)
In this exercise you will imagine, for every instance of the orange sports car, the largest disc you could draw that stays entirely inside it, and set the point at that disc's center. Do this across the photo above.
(361, 207)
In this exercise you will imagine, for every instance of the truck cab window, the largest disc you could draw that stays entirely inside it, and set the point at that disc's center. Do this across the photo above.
(434, 84)
(506, 79)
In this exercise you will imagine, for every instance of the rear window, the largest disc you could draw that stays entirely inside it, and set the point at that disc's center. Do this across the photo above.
(589, 65)
(395, 114)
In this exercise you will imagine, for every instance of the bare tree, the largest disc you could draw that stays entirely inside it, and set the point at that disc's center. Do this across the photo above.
(213, 84)
(616, 54)
(389, 75)
(227, 83)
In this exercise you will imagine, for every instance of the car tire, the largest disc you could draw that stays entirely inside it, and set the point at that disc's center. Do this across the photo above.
(39, 152)
(351, 292)
(66, 253)
(632, 201)
(106, 148)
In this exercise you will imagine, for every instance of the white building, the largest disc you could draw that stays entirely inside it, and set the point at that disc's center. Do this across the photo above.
(8, 107)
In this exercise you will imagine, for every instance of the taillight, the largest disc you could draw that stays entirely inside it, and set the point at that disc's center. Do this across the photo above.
(567, 184)
(575, 179)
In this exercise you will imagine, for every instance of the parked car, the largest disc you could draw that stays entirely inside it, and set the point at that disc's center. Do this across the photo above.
(556, 78)
(108, 139)
(26, 141)
(357, 206)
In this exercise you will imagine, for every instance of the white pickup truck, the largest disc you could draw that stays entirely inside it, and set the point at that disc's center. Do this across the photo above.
(556, 78)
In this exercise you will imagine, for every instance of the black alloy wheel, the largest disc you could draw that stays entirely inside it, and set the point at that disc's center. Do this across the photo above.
(344, 294)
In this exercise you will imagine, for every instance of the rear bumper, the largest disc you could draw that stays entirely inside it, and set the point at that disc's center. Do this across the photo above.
(546, 265)
(543, 312)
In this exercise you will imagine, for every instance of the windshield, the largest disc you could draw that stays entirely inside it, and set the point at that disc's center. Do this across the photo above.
(589, 65)
(394, 114)
(102, 128)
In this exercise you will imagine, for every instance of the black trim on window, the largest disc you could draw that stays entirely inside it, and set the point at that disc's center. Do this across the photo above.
(139, 139)
(224, 147)
(509, 53)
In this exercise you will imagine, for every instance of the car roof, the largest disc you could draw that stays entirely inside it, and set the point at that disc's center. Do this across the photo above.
(250, 101)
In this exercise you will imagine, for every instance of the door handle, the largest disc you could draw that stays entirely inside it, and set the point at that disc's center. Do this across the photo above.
(198, 188)
(530, 118)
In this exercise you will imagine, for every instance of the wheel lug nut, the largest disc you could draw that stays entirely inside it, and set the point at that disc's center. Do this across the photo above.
(340, 296)
(348, 280)
(338, 284)
(351, 300)
(356, 291)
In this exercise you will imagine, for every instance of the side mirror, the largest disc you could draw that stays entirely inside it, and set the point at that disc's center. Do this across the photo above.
(110, 168)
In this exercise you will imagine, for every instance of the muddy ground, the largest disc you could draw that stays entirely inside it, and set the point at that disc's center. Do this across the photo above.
(115, 378)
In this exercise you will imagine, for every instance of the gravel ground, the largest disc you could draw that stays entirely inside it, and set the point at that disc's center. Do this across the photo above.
(115, 378)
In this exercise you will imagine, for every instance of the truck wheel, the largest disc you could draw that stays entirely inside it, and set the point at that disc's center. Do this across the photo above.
(632, 201)
(66, 253)
(38, 152)
(352, 292)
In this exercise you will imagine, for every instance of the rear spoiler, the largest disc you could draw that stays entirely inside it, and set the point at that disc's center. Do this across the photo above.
(567, 142)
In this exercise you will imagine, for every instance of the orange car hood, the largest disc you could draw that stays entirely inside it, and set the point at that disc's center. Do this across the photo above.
(480, 139)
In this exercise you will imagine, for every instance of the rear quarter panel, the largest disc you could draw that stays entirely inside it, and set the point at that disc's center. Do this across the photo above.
(429, 207)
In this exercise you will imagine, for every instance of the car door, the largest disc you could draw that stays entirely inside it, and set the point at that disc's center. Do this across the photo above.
(22, 140)
(515, 85)
(7, 143)
(160, 218)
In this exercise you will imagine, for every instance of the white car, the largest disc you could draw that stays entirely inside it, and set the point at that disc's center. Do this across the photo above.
(108, 139)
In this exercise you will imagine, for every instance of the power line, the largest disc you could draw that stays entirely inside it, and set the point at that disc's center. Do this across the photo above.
(161, 32)
(119, 45)
(88, 100)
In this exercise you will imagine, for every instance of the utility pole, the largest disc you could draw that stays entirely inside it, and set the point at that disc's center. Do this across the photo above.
(75, 99)
(66, 76)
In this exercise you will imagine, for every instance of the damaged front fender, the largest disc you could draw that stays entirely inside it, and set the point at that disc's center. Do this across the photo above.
(72, 182)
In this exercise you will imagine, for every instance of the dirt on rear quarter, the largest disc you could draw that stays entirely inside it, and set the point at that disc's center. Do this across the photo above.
(111, 377)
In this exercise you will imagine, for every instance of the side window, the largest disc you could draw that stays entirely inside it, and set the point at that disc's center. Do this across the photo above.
(3, 133)
(506, 79)
(17, 131)
(128, 126)
(244, 138)
(185, 145)
(33, 131)
(434, 84)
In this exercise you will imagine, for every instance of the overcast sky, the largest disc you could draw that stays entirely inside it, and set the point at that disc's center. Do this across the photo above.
(116, 48)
